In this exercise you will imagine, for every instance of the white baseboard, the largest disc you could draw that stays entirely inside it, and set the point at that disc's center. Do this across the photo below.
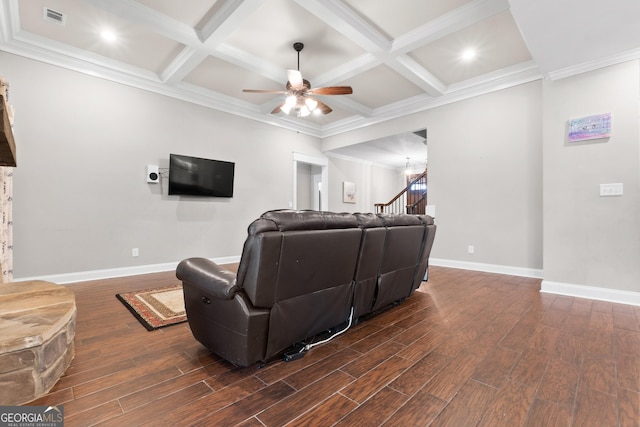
(84, 276)
(568, 289)
(110, 273)
(591, 292)
(580, 291)
(487, 268)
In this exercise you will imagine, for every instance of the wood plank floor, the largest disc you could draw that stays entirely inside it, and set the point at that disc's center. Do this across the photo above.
(468, 349)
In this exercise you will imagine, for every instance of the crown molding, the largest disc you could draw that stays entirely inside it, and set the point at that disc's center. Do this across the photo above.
(629, 55)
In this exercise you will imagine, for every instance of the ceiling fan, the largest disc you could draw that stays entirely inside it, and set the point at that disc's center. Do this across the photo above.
(298, 91)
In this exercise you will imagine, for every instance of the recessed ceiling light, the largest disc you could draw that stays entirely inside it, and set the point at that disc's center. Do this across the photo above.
(108, 35)
(469, 54)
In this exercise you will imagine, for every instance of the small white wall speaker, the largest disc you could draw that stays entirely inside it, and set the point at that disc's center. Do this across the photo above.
(153, 174)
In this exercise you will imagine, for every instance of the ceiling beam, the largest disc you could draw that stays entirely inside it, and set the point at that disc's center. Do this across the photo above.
(449, 23)
(344, 20)
(146, 17)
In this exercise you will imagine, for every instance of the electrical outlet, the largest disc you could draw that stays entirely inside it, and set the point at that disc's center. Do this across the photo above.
(135, 252)
(470, 249)
(616, 189)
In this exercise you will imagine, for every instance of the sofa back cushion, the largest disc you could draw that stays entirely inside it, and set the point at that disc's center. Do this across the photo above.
(300, 265)
(368, 267)
(404, 244)
(291, 253)
(259, 262)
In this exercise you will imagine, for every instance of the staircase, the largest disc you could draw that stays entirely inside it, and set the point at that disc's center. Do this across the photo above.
(411, 200)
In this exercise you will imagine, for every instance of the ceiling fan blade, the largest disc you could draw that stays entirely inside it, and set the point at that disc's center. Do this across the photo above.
(277, 109)
(295, 78)
(324, 108)
(264, 91)
(331, 90)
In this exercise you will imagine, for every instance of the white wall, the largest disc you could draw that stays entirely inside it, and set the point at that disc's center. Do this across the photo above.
(591, 240)
(386, 183)
(374, 184)
(81, 202)
(485, 176)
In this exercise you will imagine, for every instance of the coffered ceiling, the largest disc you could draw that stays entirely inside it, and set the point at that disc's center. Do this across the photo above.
(400, 56)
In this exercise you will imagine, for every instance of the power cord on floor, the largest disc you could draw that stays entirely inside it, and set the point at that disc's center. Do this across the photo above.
(294, 355)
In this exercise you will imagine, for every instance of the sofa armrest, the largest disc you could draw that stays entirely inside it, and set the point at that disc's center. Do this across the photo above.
(209, 276)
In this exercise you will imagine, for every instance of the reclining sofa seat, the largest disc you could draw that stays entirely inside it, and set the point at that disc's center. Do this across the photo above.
(301, 273)
(393, 260)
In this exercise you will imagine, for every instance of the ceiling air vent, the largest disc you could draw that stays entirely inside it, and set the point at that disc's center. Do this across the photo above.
(53, 16)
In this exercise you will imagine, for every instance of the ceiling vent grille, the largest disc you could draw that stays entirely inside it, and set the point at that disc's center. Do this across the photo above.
(53, 16)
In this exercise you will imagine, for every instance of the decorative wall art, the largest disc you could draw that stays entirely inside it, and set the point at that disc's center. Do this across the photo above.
(590, 127)
(348, 192)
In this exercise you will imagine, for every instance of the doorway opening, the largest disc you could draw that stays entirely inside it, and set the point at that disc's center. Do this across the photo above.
(310, 182)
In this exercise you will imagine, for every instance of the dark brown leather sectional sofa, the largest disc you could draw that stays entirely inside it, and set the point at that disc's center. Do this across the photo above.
(303, 273)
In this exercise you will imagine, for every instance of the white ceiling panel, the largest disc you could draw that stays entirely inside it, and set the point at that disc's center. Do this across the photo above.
(565, 34)
(395, 18)
(496, 41)
(394, 151)
(381, 86)
(229, 79)
(269, 34)
(83, 25)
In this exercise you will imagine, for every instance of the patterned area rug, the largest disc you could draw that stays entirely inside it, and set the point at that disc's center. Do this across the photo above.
(156, 308)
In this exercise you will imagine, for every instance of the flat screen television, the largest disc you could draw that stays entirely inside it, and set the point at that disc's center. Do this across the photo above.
(194, 176)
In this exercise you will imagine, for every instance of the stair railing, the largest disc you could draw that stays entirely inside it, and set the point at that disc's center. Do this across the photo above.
(412, 199)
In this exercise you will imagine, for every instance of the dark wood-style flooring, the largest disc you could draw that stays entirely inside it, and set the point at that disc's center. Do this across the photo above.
(469, 349)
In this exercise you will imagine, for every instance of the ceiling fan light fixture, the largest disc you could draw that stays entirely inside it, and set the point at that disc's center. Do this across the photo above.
(303, 111)
(297, 90)
(291, 101)
(289, 104)
(301, 108)
(311, 104)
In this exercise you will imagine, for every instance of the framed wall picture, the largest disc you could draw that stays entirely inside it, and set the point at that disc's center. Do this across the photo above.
(348, 192)
(590, 127)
